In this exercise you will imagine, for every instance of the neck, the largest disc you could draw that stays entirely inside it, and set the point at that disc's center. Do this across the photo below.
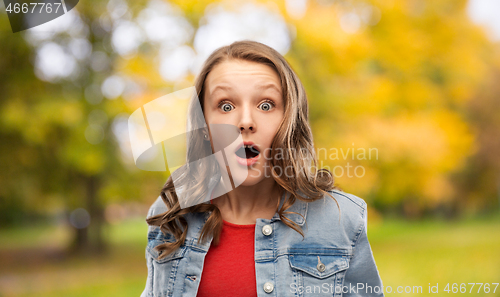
(245, 204)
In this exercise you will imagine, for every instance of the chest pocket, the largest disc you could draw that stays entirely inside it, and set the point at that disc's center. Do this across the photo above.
(163, 272)
(319, 272)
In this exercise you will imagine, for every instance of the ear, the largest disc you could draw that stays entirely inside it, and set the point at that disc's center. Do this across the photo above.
(206, 135)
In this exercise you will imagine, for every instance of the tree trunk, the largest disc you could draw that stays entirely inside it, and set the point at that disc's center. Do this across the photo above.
(96, 212)
(90, 240)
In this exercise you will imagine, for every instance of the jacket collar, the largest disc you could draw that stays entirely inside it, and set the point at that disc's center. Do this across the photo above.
(299, 207)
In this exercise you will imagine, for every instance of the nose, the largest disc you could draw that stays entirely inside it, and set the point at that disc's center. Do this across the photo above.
(246, 122)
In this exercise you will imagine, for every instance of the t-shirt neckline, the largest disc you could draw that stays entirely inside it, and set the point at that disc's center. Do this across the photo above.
(238, 225)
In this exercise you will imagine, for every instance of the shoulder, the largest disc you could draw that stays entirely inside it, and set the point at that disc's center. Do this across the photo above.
(344, 203)
(345, 214)
(349, 200)
(157, 207)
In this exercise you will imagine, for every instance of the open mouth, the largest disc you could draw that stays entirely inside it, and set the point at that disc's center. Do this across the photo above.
(247, 152)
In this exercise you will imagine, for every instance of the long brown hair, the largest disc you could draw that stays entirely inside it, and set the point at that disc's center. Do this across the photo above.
(293, 138)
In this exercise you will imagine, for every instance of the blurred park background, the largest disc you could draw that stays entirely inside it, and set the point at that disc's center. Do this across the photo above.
(416, 81)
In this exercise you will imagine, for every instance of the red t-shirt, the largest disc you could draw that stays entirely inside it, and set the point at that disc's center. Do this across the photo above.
(229, 268)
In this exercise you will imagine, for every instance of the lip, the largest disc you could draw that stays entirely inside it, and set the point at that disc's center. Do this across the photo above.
(247, 143)
(247, 162)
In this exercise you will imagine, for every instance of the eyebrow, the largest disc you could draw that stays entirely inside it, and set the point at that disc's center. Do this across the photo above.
(269, 86)
(261, 86)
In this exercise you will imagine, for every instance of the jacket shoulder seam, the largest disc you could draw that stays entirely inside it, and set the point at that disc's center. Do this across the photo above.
(359, 201)
(153, 211)
(157, 207)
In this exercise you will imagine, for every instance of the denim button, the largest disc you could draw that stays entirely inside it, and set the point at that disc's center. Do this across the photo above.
(268, 287)
(267, 230)
(321, 267)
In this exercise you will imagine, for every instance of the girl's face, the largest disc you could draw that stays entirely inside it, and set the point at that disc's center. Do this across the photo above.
(247, 95)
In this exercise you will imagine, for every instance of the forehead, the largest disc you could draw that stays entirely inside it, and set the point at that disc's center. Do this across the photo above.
(242, 74)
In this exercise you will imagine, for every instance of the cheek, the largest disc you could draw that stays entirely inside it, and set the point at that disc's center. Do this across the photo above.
(218, 118)
(208, 115)
(270, 129)
(275, 121)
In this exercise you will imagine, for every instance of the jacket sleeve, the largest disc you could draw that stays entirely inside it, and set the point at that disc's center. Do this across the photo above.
(362, 277)
(148, 290)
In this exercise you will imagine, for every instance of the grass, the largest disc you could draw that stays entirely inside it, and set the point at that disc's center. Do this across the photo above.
(407, 254)
(41, 272)
(435, 252)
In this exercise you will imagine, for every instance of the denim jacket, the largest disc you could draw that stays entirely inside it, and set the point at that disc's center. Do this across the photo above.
(333, 259)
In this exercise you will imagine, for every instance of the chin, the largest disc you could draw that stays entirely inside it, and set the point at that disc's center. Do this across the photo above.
(251, 181)
(254, 177)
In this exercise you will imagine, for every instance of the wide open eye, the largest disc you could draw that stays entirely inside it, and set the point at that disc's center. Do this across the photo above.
(268, 105)
(226, 107)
